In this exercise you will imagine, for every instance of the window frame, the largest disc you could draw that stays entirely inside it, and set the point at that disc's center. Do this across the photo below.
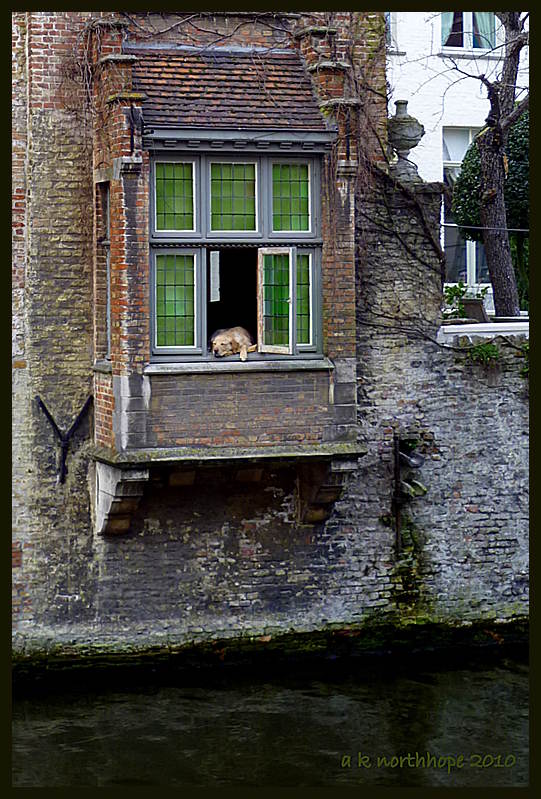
(471, 246)
(202, 239)
(199, 344)
(214, 235)
(467, 37)
(314, 199)
(176, 158)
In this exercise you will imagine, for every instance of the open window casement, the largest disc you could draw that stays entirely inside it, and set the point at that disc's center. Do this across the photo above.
(275, 299)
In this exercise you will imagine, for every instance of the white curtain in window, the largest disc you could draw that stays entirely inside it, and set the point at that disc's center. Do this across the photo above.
(485, 26)
(446, 25)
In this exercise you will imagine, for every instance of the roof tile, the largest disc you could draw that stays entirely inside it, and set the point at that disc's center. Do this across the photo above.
(222, 88)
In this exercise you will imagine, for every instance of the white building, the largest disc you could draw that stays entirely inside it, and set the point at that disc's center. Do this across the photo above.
(430, 57)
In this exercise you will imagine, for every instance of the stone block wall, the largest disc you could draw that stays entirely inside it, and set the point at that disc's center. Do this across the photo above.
(466, 539)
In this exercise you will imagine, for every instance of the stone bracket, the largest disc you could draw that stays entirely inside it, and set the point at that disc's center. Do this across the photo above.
(118, 493)
(319, 486)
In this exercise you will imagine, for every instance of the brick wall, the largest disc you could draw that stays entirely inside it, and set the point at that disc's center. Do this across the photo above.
(223, 553)
(239, 409)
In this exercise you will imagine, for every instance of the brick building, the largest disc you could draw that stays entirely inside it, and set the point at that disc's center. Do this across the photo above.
(172, 178)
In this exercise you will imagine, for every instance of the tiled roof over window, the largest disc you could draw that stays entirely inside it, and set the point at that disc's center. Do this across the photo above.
(226, 88)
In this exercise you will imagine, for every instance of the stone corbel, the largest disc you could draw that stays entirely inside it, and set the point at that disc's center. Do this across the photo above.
(118, 493)
(319, 486)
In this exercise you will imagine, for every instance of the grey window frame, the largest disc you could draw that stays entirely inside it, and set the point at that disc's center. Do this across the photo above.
(200, 289)
(316, 308)
(314, 182)
(203, 239)
(174, 235)
(226, 235)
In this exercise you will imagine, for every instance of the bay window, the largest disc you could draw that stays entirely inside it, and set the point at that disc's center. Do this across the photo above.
(235, 241)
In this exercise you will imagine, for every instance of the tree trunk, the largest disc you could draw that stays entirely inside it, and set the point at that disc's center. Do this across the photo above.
(494, 221)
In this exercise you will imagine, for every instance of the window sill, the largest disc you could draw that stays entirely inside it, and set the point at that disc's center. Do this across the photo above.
(103, 366)
(215, 367)
(469, 54)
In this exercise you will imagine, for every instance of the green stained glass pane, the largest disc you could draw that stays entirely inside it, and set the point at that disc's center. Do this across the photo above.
(174, 196)
(290, 184)
(232, 199)
(175, 319)
(303, 299)
(276, 293)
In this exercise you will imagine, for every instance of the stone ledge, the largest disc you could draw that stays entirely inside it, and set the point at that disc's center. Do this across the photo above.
(315, 30)
(482, 330)
(103, 366)
(341, 66)
(339, 101)
(128, 459)
(217, 367)
(117, 58)
(135, 97)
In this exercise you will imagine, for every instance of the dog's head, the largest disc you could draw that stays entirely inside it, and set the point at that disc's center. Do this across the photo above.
(222, 344)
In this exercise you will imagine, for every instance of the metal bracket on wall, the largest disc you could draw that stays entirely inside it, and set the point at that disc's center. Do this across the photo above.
(404, 490)
(64, 438)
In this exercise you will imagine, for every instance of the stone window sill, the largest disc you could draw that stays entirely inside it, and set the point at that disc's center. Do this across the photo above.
(469, 54)
(219, 367)
(103, 366)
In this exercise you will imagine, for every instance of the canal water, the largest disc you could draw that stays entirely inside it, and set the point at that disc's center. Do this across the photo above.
(397, 723)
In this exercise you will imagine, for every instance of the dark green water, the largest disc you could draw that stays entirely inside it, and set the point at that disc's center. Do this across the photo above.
(289, 731)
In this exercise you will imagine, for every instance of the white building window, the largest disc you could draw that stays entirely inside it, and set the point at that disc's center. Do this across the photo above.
(390, 30)
(472, 30)
(465, 260)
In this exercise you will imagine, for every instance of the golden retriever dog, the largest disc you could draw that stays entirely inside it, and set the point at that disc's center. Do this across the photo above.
(231, 341)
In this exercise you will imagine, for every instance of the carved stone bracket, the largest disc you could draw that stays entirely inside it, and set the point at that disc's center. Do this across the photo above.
(320, 485)
(118, 493)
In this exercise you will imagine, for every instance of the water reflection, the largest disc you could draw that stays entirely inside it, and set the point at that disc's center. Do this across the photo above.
(289, 732)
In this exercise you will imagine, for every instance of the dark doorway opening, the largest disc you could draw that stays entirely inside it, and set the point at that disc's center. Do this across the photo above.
(232, 289)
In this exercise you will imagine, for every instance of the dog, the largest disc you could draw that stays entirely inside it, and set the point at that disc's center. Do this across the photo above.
(230, 341)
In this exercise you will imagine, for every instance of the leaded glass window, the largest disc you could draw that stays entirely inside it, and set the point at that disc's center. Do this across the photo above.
(233, 196)
(290, 197)
(304, 298)
(175, 300)
(275, 299)
(174, 196)
(235, 241)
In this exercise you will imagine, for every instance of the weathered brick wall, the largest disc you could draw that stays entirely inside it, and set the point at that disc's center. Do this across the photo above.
(21, 430)
(52, 309)
(469, 545)
(223, 553)
(239, 409)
